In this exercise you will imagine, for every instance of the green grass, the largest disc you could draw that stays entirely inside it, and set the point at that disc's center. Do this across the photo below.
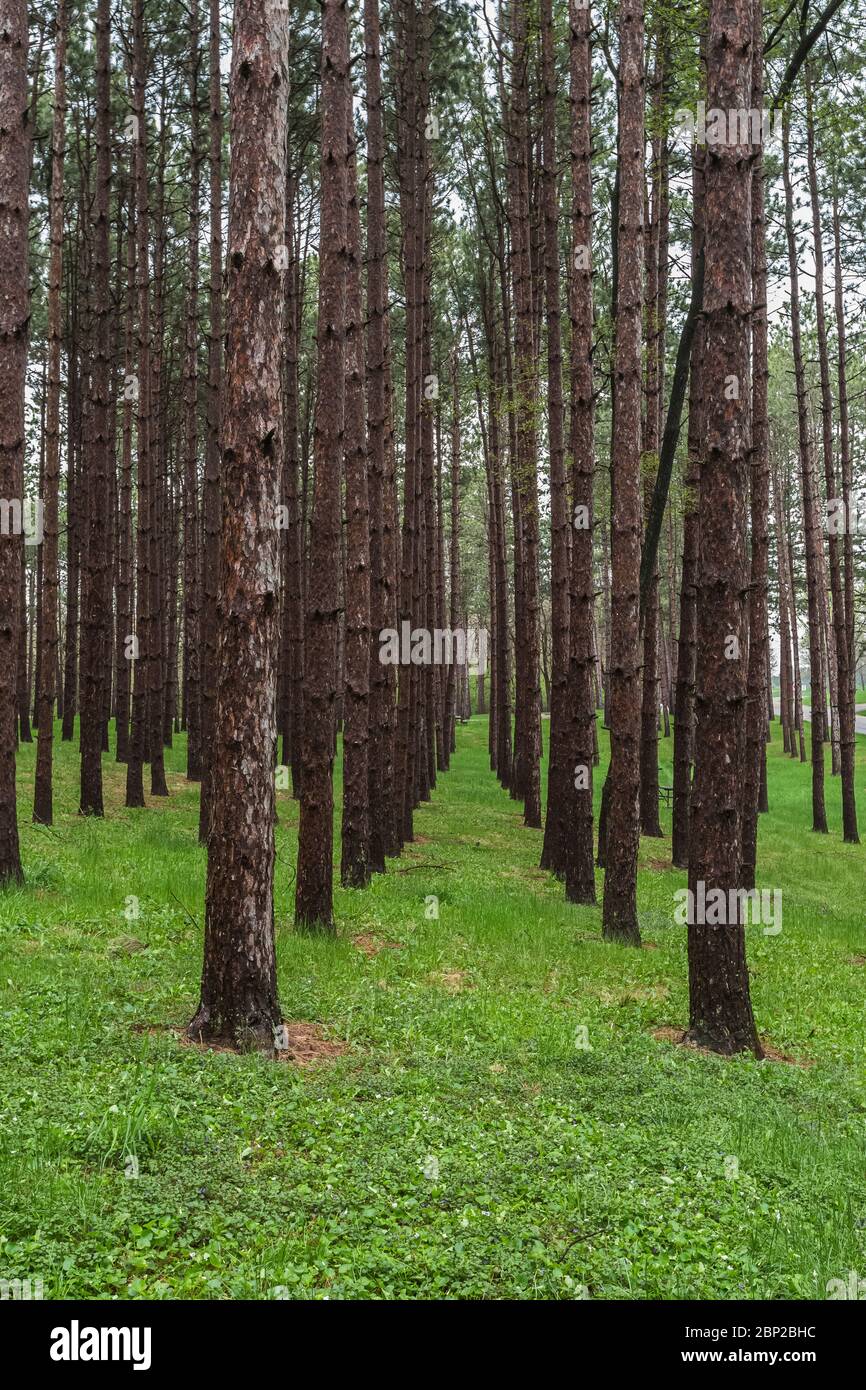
(466, 1145)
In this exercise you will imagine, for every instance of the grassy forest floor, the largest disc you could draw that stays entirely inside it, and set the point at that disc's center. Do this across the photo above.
(465, 1144)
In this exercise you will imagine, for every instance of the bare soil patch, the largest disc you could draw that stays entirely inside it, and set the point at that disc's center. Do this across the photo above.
(771, 1054)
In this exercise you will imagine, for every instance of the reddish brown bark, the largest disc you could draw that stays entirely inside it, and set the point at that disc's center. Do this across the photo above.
(14, 313)
(559, 773)
(96, 598)
(720, 1009)
(47, 691)
(620, 920)
(579, 870)
(840, 647)
(191, 564)
(314, 897)
(211, 491)
(239, 985)
(756, 706)
(811, 523)
(355, 867)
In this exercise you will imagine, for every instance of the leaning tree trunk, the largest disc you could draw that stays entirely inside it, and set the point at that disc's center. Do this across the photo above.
(720, 1008)
(14, 314)
(47, 692)
(239, 982)
(622, 832)
(314, 894)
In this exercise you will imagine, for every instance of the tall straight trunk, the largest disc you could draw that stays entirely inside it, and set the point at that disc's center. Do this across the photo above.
(25, 733)
(73, 467)
(355, 865)
(157, 569)
(95, 609)
(649, 738)
(141, 394)
(211, 491)
(844, 453)
(579, 869)
(559, 774)
(845, 689)
(795, 643)
(411, 213)
(47, 691)
(14, 315)
(380, 753)
(314, 897)
(293, 617)
(756, 697)
(720, 1008)
(528, 774)
(191, 563)
(239, 1001)
(810, 512)
(684, 712)
(451, 697)
(620, 920)
(125, 585)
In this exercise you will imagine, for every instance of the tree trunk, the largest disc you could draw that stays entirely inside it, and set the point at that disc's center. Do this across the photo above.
(191, 564)
(239, 984)
(14, 315)
(845, 688)
(355, 866)
(554, 854)
(313, 899)
(47, 691)
(720, 1009)
(756, 696)
(810, 512)
(211, 495)
(579, 868)
(684, 713)
(96, 604)
(141, 394)
(620, 921)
